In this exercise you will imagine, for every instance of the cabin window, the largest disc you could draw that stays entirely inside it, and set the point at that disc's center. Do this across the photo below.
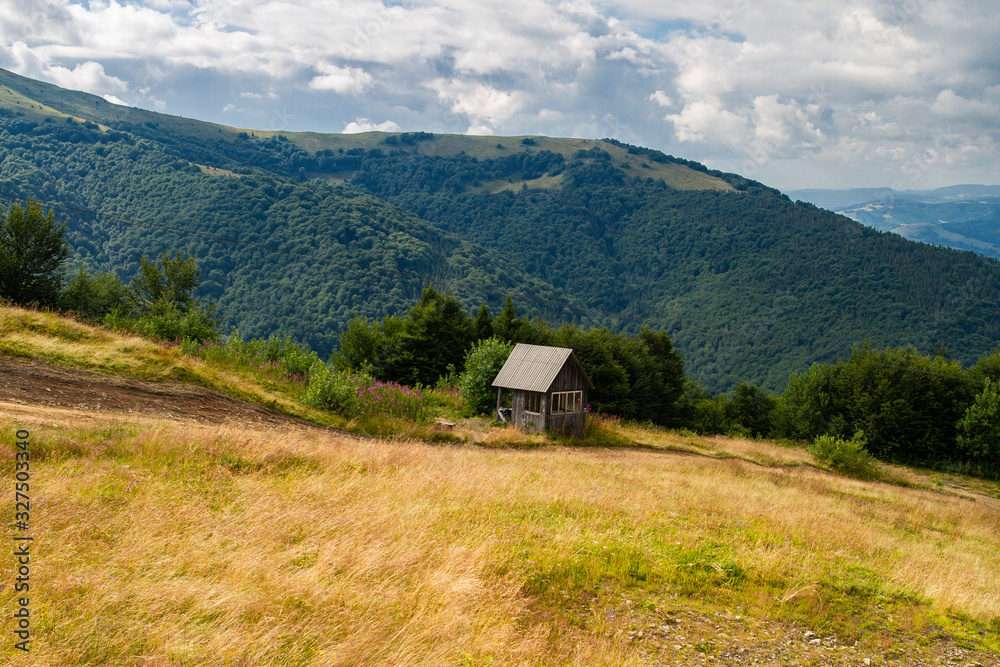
(532, 401)
(566, 401)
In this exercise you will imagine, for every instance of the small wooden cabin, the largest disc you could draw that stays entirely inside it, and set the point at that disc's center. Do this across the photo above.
(549, 389)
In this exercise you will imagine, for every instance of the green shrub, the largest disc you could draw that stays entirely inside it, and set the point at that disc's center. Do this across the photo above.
(390, 399)
(335, 391)
(604, 430)
(93, 297)
(482, 363)
(276, 359)
(166, 321)
(846, 456)
(359, 395)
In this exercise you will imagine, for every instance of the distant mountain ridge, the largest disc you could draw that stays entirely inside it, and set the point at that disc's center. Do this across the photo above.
(964, 217)
(298, 232)
(835, 200)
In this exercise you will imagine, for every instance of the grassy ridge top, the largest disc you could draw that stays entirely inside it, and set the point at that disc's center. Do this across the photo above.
(43, 100)
(486, 147)
(18, 94)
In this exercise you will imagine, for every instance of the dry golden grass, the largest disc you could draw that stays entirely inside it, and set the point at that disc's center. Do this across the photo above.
(715, 446)
(168, 542)
(511, 437)
(58, 339)
(160, 542)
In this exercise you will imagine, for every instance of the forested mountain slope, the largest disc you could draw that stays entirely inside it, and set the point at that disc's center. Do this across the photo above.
(748, 284)
(281, 256)
(297, 232)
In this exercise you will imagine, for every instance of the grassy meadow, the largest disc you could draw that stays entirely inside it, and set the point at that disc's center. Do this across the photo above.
(170, 542)
(162, 543)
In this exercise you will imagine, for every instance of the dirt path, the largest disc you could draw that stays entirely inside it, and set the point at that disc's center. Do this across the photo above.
(45, 391)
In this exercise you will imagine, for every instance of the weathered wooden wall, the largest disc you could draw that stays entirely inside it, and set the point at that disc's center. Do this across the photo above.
(569, 379)
(524, 419)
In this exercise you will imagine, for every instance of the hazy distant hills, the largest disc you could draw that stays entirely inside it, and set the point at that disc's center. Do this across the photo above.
(297, 232)
(965, 217)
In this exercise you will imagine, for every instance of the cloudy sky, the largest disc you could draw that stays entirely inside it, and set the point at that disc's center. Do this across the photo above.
(795, 93)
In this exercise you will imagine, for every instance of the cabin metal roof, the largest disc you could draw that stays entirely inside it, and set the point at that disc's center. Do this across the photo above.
(535, 367)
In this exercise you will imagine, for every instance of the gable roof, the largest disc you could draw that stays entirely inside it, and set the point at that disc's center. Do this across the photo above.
(535, 367)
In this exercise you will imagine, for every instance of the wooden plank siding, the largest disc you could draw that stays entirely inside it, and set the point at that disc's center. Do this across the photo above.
(521, 417)
(570, 378)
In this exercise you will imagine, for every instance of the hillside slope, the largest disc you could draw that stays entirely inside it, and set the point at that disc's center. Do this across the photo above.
(749, 285)
(296, 232)
(173, 534)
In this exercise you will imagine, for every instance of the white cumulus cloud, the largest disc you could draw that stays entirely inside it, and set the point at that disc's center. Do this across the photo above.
(341, 79)
(88, 76)
(366, 125)
(707, 120)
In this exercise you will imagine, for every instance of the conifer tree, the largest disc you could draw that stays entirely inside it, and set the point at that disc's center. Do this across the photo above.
(484, 324)
(508, 325)
(32, 252)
